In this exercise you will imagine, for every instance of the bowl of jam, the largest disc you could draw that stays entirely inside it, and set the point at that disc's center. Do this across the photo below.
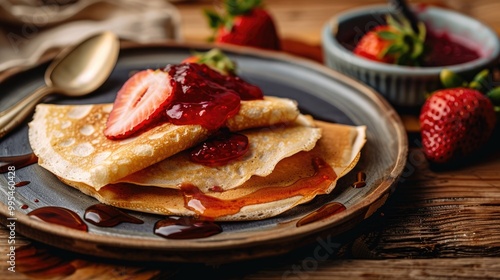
(451, 40)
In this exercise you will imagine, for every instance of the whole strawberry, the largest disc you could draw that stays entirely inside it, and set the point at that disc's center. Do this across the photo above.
(244, 22)
(455, 123)
(394, 43)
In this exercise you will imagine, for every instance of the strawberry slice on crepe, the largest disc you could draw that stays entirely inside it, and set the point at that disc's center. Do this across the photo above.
(139, 102)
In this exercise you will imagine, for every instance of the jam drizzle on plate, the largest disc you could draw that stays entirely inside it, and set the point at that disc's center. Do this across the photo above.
(108, 216)
(60, 216)
(174, 227)
(360, 180)
(17, 161)
(22, 184)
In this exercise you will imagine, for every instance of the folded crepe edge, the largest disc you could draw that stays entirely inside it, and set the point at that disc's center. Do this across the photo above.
(274, 109)
(249, 212)
(139, 178)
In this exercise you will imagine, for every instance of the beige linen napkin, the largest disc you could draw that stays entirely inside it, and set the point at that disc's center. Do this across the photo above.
(29, 28)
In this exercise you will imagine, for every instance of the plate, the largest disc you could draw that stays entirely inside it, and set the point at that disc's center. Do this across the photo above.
(322, 92)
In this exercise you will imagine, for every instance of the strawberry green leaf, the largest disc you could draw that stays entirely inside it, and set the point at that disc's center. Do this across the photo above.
(394, 23)
(422, 32)
(229, 23)
(214, 19)
(406, 46)
(406, 25)
(393, 49)
(494, 96)
(388, 35)
(241, 7)
(216, 60)
(450, 79)
(404, 59)
(480, 80)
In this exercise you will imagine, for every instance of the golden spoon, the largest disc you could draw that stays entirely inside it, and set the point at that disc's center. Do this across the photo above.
(74, 72)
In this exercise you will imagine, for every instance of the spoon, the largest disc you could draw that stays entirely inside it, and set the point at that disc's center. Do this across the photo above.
(401, 6)
(76, 71)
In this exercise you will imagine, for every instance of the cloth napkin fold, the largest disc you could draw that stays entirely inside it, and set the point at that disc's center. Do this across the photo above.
(30, 28)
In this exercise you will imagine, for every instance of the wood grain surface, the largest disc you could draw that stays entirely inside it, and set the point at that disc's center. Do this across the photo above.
(438, 224)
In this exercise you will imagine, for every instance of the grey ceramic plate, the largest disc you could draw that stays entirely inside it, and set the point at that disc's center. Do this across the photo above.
(319, 91)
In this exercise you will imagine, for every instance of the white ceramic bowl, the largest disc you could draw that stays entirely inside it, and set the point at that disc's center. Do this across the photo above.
(404, 85)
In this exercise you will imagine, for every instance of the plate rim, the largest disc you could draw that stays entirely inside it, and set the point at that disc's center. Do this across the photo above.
(364, 208)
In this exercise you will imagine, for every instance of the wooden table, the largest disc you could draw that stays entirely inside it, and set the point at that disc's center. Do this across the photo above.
(438, 224)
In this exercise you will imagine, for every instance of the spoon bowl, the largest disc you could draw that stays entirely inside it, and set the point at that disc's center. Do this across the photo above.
(76, 71)
(85, 68)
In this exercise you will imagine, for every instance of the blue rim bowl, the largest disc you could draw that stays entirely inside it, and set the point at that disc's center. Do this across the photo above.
(404, 85)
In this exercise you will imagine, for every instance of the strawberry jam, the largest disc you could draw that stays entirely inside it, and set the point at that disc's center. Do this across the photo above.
(444, 51)
(222, 148)
(205, 97)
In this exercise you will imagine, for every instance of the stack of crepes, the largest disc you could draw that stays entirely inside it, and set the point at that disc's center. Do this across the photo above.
(291, 159)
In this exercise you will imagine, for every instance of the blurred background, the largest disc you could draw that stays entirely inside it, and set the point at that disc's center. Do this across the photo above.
(30, 29)
(301, 19)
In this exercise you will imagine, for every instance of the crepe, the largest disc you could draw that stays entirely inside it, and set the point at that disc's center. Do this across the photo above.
(69, 141)
(259, 197)
(268, 146)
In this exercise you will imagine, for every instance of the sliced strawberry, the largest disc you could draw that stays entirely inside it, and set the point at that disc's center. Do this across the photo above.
(141, 99)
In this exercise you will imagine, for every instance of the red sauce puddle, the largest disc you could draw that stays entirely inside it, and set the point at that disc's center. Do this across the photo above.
(22, 184)
(360, 180)
(209, 207)
(108, 216)
(60, 216)
(185, 228)
(17, 162)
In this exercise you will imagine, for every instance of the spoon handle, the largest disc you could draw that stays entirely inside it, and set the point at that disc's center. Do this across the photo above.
(16, 114)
